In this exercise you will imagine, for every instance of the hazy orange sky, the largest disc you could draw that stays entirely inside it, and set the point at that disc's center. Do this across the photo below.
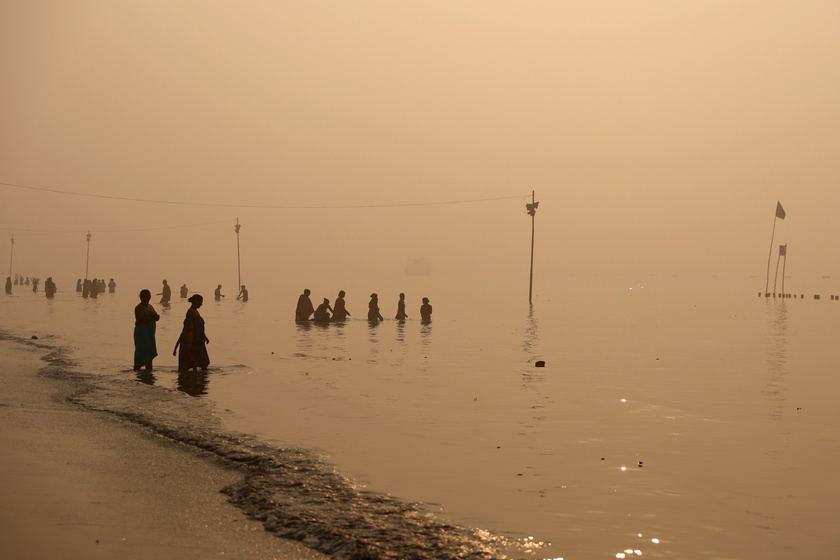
(658, 136)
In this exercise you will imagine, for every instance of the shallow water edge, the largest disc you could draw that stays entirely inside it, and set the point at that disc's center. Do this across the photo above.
(292, 491)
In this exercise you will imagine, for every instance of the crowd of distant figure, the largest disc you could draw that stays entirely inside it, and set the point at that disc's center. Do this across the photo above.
(191, 346)
(166, 293)
(324, 313)
(49, 285)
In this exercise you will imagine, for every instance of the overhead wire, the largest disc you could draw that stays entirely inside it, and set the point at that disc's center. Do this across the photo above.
(18, 230)
(265, 206)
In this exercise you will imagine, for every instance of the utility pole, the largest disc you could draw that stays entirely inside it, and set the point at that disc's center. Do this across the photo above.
(238, 262)
(11, 255)
(87, 260)
(532, 211)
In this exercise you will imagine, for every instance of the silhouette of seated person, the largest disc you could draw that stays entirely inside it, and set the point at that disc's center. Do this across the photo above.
(321, 314)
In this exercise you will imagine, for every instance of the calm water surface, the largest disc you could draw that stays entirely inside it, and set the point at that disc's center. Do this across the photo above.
(670, 422)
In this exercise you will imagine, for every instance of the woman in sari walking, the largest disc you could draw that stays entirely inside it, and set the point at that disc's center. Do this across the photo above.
(191, 346)
(145, 324)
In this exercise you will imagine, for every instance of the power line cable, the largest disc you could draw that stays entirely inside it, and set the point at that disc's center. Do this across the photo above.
(16, 230)
(268, 206)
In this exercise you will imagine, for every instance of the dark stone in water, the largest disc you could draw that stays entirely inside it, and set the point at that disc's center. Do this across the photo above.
(540, 363)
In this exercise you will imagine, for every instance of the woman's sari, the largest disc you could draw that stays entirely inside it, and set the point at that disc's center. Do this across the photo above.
(145, 348)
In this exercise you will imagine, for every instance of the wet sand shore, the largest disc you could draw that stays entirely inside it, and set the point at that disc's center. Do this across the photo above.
(77, 483)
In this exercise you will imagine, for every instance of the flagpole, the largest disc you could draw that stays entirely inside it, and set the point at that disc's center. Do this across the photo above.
(780, 213)
(784, 265)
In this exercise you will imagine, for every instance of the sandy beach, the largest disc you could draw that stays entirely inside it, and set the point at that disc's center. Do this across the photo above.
(77, 483)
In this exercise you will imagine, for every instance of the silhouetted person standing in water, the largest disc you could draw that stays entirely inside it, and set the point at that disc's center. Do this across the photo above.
(321, 315)
(426, 311)
(340, 313)
(79, 285)
(86, 288)
(218, 293)
(166, 293)
(184, 290)
(243, 294)
(304, 307)
(193, 331)
(401, 316)
(49, 287)
(145, 319)
(200, 339)
(112, 286)
(373, 308)
(8, 285)
(94, 288)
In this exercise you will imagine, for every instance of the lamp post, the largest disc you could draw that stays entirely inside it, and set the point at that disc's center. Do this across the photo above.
(11, 255)
(87, 260)
(532, 211)
(238, 264)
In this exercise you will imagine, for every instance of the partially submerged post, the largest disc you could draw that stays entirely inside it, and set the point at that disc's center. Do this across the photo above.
(532, 210)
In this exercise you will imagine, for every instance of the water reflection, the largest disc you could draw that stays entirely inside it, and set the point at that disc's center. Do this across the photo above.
(402, 346)
(426, 334)
(777, 361)
(374, 342)
(146, 377)
(529, 344)
(304, 339)
(401, 332)
(531, 331)
(193, 383)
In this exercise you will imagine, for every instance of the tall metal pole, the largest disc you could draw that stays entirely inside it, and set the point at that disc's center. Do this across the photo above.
(238, 263)
(780, 213)
(783, 252)
(87, 260)
(11, 255)
(769, 257)
(532, 211)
